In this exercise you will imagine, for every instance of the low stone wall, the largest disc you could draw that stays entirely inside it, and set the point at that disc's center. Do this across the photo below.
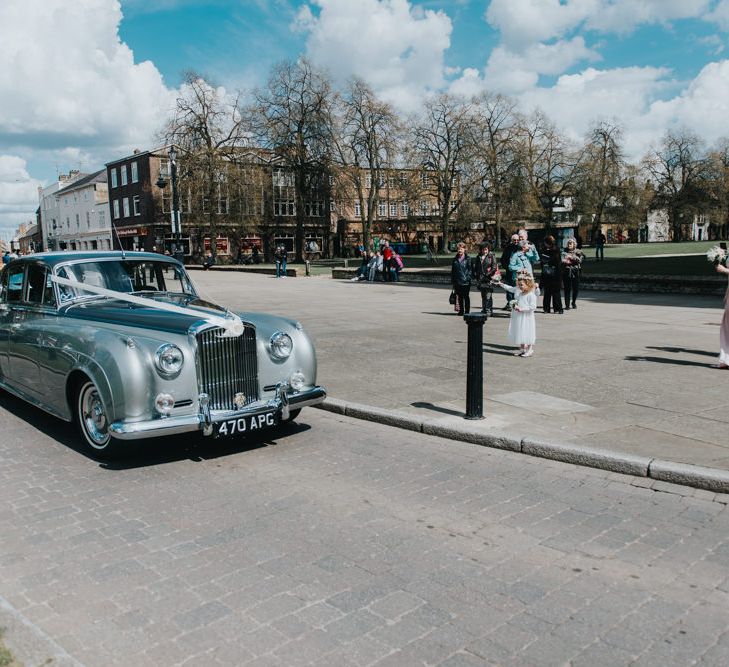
(243, 268)
(709, 285)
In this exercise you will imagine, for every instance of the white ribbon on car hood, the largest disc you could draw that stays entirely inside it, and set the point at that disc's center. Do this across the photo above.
(231, 323)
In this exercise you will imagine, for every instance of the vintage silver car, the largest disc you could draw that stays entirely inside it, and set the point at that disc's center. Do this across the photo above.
(123, 344)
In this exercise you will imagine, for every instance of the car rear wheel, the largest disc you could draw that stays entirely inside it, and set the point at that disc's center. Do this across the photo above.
(93, 422)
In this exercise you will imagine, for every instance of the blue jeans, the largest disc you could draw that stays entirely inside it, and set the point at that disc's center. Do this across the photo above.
(280, 267)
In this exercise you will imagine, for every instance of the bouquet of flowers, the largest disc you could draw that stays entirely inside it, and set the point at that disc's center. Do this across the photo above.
(716, 255)
(496, 277)
(512, 304)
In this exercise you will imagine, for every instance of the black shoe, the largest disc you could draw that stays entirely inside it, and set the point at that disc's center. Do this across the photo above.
(566, 307)
(559, 312)
(546, 310)
(574, 305)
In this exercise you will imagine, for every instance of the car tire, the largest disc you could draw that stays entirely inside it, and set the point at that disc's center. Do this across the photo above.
(92, 421)
(293, 414)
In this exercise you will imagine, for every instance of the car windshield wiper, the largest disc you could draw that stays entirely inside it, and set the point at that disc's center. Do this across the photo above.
(81, 298)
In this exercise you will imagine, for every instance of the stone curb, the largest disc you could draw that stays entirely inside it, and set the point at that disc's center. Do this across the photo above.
(710, 479)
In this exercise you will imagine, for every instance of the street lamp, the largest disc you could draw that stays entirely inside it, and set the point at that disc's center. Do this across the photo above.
(178, 251)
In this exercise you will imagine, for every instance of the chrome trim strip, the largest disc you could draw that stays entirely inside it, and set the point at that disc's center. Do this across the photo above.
(199, 422)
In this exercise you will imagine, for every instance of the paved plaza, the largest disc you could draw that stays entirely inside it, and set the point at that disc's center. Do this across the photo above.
(341, 542)
(347, 543)
(627, 372)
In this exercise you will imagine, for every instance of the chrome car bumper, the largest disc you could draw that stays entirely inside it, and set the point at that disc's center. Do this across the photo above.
(204, 420)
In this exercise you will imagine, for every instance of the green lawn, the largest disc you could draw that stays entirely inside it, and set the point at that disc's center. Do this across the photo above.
(656, 266)
(6, 658)
(639, 249)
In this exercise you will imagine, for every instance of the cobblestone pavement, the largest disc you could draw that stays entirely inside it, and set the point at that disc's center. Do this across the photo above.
(349, 543)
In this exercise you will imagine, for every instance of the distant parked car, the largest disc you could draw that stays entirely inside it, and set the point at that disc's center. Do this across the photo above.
(122, 344)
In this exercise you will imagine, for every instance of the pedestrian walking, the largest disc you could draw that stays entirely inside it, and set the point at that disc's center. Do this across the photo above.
(522, 325)
(483, 269)
(461, 279)
(551, 282)
(600, 247)
(571, 268)
(724, 329)
(279, 257)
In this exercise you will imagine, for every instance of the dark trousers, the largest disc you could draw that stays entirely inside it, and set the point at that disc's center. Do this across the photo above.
(386, 270)
(464, 298)
(487, 299)
(571, 287)
(552, 296)
(599, 252)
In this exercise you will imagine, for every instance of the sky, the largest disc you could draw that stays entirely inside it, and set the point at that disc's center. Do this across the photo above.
(83, 82)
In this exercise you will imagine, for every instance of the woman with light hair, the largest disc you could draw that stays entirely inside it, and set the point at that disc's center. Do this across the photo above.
(571, 268)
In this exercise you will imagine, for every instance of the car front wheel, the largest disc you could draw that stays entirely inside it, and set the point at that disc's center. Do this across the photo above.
(93, 422)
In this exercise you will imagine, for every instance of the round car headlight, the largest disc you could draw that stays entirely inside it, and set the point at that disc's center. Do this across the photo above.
(281, 345)
(169, 360)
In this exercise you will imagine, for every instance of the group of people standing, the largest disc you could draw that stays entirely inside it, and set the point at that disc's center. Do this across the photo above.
(514, 272)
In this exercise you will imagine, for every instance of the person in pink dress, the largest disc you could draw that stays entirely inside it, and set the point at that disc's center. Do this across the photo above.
(724, 331)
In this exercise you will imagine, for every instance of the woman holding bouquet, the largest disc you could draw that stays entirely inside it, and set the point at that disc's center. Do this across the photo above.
(724, 331)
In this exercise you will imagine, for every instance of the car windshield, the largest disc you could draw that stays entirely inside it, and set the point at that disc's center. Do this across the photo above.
(123, 275)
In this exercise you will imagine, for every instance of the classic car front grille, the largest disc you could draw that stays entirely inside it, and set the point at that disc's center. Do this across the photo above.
(227, 366)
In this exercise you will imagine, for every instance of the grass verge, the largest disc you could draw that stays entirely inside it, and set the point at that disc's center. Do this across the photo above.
(6, 657)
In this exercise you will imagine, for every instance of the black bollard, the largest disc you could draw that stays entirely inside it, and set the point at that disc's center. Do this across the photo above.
(474, 365)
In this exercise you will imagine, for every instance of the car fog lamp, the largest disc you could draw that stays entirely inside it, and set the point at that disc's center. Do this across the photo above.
(297, 381)
(164, 403)
(169, 360)
(281, 345)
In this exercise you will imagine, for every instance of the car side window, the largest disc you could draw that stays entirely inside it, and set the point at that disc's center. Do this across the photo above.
(15, 284)
(40, 287)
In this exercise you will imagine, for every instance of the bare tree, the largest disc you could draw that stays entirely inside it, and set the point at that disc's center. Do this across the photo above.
(291, 115)
(207, 131)
(365, 142)
(443, 148)
(678, 167)
(549, 166)
(600, 175)
(718, 185)
(496, 157)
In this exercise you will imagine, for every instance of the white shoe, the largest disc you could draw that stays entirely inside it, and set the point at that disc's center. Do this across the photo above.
(528, 353)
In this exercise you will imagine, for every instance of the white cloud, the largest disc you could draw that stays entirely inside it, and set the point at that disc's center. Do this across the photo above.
(720, 15)
(512, 72)
(396, 47)
(67, 79)
(18, 194)
(523, 22)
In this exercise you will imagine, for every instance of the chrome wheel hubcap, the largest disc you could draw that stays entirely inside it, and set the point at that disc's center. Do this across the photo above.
(93, 417)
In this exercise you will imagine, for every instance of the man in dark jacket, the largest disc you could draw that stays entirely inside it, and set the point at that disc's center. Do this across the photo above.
(483, 268)
(461, 279)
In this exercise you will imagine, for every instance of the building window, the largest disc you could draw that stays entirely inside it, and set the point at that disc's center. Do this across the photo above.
(135, 172)
(78, 221)
(88, 220)
(164, 168)
(381, 209)
(393, 210)
(123, 170)
(368, 181)
(102, 221)
(424, 179)
(314, 209)
(332, 206)
(68, 222)
(113, 178)
(125, 206)
(116, 209)
(284, 207)
(423, 208)
(357, 209)
(381, 180)
(404, 208)
(135, 204)
(283, 178)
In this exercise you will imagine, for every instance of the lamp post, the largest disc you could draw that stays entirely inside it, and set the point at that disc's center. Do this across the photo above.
(177, 251)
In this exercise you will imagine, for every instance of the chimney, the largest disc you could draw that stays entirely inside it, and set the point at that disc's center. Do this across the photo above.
(136, 151)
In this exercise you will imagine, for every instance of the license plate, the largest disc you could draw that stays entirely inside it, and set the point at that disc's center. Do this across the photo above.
(244, 425)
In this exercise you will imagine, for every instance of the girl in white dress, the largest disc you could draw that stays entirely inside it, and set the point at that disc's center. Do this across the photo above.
(522, 325)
